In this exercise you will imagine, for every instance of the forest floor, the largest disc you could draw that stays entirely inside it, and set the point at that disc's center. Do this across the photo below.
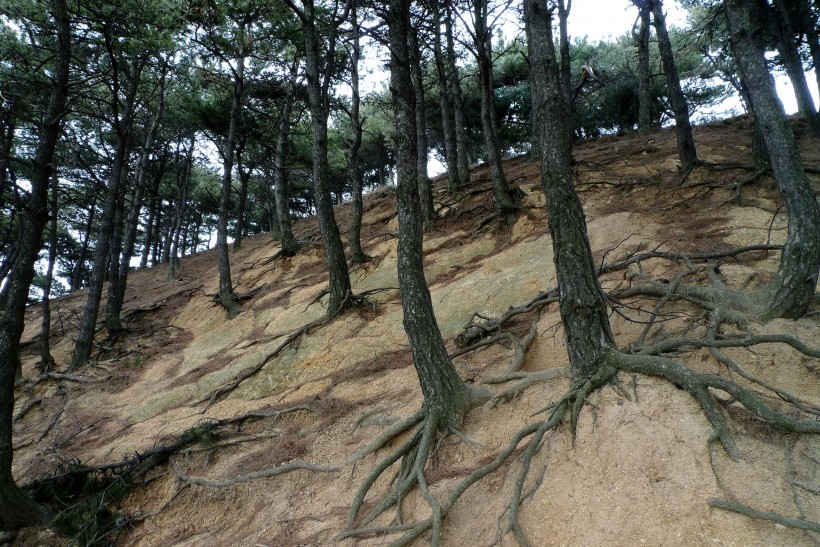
(640, 471)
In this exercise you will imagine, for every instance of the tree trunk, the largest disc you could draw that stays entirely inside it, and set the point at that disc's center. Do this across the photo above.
(565, 68)
(790, 58)
(280, 182)
(340, 289)
(505, 206)
(354, 169)
(447, 124)
(683, 129)
(790, 293)
(445, 394)
(428, 210)
(122, 127)
(116, 291)
(226, 295)
(644, 75)
(75, 284)
(183, 184)
(16, 510)
(244, 173)
(582, 302)
(46, 359)
(458, 101)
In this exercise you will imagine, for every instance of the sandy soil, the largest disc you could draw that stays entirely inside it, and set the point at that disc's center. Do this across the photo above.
(640, 471)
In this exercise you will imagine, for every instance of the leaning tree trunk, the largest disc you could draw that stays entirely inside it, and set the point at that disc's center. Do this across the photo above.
(447, 123)
(181, 209)
(75, 284)
(116, 290)
(454, 84)
(683, 129)
(445, 394)
(88, 325)
(425, 188)
(565, 68)
(354, 169)
(790, 58)
(244, 172)
(16, 510)
(505, 206)
(582, 302)
(790, 293)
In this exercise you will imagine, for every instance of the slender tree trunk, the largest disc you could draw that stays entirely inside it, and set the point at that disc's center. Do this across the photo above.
(46, 359)
(790, 293)
(582, 302)
(445, 394)
(226, 294)
(565, 68)
(16, 510)
(447, 123)
(354, 169)
(116, 291)
(244, 173)
(280, 182)
(505, 206)
(425, 188)
(790, 57)
(183, 184)
(9, 127)
(683, 129)
(644, 76)
(810, 26)
(339, 277)
(77, 271)
(122, 126)
(156, 247)
(458, 101)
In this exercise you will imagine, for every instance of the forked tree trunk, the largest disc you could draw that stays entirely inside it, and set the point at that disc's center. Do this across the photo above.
(445, 394)
(582, 302)
(505, 206)
(16, 510)
(790, 293)
(683, 129)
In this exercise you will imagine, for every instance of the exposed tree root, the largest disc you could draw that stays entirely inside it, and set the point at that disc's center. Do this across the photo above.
(801, 524)
(254, 475)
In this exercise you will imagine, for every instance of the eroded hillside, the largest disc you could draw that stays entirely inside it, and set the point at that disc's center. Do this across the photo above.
(640, 471)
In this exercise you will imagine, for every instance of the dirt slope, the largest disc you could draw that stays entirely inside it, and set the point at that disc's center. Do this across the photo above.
(639, 472)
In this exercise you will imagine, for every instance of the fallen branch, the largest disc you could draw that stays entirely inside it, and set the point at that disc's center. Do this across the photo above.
(246, 477)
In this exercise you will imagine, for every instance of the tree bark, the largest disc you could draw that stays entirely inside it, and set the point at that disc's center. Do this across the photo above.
(354, 170)
(183, 184)
(444, 392)
(244, 172)
(581, 300)
(790, 58)
(46, 359)
(790, 293)
(340, 288)
(644, 75)
(428, 210)
(226, 295)
(454, 84)
(122, 125)
(280, 182)
(683, 129)
(505, 206)
(16, 510)
(447, 123)
(116, 291)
